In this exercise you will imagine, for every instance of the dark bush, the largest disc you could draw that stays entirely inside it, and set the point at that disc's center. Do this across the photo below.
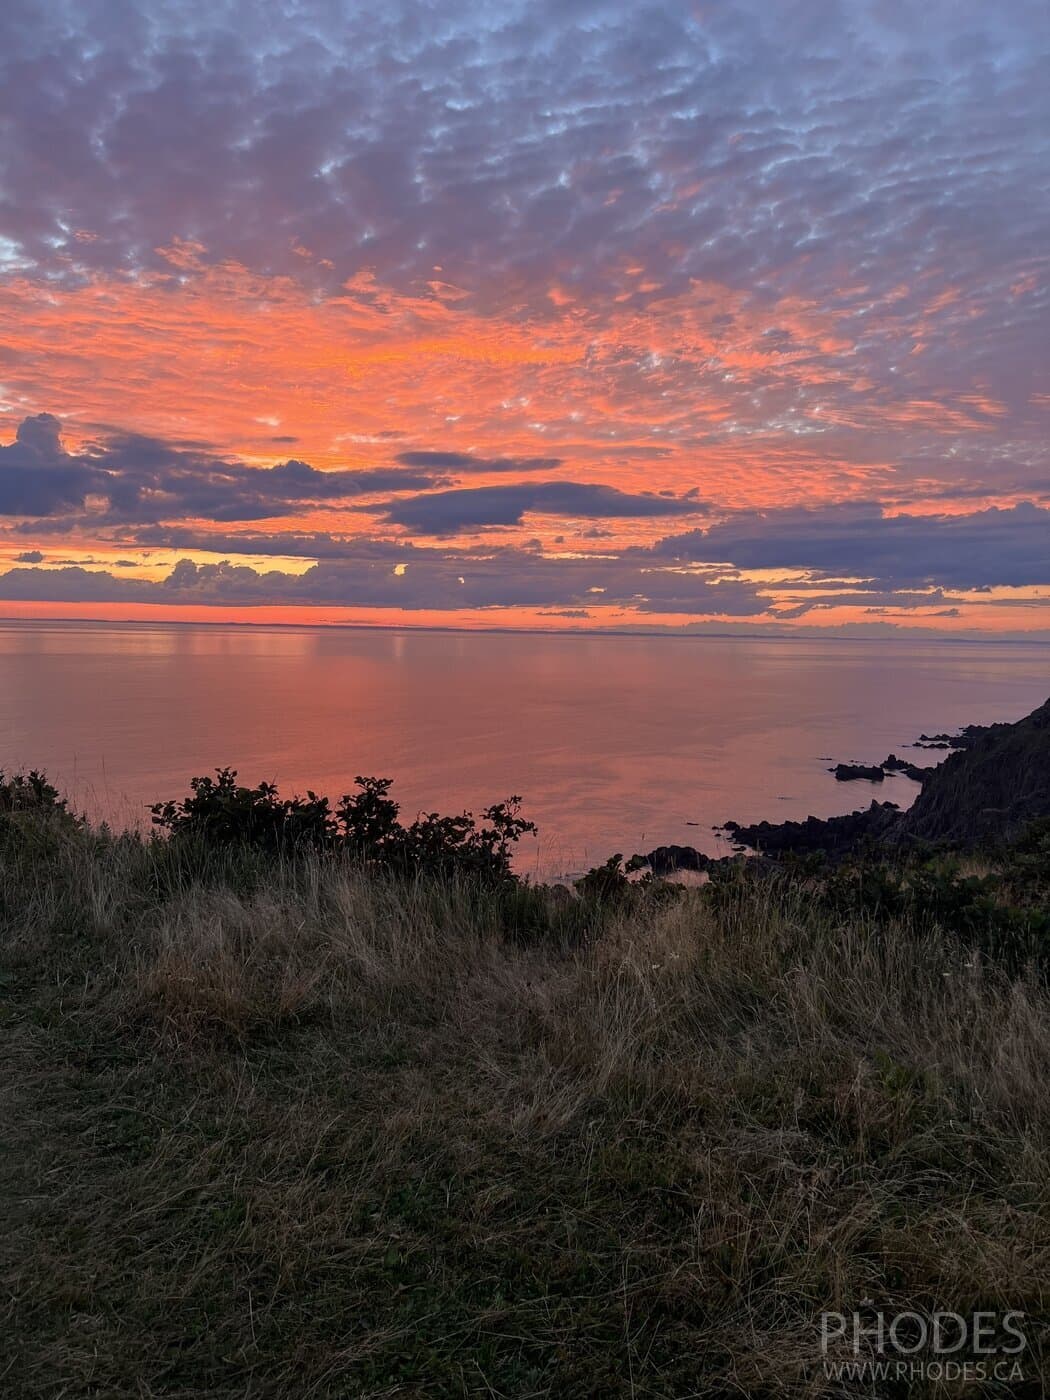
(224, 813)
(610, 887)
(1004, 914)
(1025, 864)
(32, 814)
(364, 825)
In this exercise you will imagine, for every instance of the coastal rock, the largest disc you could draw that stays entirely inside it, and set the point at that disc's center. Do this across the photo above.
(893, 764)
(989, 790)
(847, 772)
(667, 860)
(832, 835)
(965, 739)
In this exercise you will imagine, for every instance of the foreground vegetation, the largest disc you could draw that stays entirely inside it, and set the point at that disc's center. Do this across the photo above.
(295, 1119)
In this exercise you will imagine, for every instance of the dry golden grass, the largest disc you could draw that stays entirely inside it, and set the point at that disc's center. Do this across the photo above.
(310, 1132)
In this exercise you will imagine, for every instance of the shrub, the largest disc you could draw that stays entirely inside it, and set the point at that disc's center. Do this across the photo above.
(364, 825)
(1004, 914)
(32, 814)
(224, 813)
(609, 887)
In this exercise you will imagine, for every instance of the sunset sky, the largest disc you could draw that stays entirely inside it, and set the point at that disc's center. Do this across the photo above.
(724, 316)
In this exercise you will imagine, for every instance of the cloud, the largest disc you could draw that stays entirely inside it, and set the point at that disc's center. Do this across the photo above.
(445, 512)
(36, 476)
(290, 544)
(783, 254)
(881, 162)
(377, 573)
(467, 462)
(797, 250)
(30, 556)
(984, 548)
(142, 478)
(741, 138)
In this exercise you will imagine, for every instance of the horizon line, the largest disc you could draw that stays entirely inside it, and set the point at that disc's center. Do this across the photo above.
(905, 635)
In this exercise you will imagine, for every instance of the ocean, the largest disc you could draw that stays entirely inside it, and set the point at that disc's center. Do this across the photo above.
(614, 743)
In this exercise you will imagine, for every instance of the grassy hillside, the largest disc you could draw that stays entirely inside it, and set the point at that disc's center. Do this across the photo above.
(286, 1126)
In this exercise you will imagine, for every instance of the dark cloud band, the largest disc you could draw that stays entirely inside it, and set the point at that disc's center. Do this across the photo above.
(143, 479)
(471, 508)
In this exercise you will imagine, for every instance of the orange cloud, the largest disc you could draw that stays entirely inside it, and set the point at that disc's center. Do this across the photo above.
(746, 401)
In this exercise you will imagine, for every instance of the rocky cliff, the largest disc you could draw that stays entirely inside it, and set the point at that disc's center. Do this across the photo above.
(987, 791)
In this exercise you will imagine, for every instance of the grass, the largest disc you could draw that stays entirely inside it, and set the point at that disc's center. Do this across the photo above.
(292, 1128)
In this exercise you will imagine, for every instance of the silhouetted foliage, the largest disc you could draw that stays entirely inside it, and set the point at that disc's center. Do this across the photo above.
(365, 825)
(225, 813)
(605, 884)
(367, 820)
(32, 811)
(1025, 864)
(1000, 910)
(1003, 914)
(610, 887)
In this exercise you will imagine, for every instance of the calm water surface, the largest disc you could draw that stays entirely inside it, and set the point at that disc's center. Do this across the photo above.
(616, 743)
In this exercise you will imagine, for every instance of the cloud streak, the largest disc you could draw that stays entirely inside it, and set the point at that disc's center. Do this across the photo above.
(471, 508)
(374, 574)
(984, 549)
(464, 462)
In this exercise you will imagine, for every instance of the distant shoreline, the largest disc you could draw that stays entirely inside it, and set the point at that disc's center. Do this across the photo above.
(575, 633)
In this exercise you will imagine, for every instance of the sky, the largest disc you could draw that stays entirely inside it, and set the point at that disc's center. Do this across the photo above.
(571, 314)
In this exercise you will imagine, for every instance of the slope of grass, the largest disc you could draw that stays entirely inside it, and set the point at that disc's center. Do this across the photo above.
(292, 1128)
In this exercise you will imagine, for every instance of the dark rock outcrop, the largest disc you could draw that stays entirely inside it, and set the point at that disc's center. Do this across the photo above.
(995, 782)
(847, 772)
(989, 790)
(965, 738)
(667, 860)
(893, 764)
(833, 835)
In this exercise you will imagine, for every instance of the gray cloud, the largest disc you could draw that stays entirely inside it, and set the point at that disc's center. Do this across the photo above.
(445, 512)
(380, 574)
(144, 479)
(37, 477)
(291, 544)
(981, 549)
(467, 462)
(904, 561)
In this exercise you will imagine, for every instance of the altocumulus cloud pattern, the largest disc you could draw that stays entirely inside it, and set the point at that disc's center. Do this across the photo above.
(579, 314)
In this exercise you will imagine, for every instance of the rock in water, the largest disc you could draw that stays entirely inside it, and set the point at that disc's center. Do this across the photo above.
(835, 836)
(846, 772)
(667, 860)
(893, 764)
